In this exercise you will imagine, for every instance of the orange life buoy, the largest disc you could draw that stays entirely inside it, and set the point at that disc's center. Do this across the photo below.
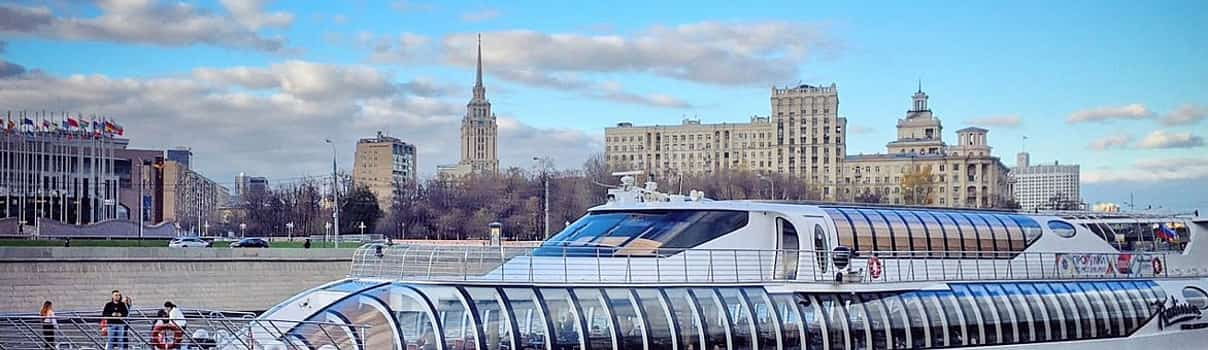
(157, 336)
(874, 267)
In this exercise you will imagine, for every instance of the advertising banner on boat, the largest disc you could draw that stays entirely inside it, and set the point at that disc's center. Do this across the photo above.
(1070, 264)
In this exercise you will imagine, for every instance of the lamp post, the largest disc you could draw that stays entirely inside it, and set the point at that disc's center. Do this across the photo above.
(206, 227)
(289, 229)
(335, 193)
(326, 230)
(771, 184)
(242, 229)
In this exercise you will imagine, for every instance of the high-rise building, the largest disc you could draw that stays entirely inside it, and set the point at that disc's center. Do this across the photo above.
(181, 154)
(191, 200)
(803, 138)
(1045, 186)
(479, 131)
(920, 169)
(385, 165)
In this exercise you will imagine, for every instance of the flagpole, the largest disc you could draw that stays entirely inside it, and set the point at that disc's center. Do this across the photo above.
(6, 167)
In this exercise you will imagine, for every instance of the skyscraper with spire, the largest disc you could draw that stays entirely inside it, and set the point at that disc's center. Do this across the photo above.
(479, 131)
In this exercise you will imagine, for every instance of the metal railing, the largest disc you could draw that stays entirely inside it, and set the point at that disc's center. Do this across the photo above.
(607, 265)
(217, 331)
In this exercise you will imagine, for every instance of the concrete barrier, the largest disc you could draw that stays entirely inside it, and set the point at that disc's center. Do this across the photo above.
(225, 279)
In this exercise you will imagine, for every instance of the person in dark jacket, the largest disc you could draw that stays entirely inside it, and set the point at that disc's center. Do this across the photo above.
(115, 314)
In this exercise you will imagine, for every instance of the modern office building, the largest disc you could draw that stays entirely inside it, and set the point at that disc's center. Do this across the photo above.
(919, 168)
(479, 133)
(246, 185)
(803, 138)
(385, 165)
(67, 175)
(1045, 186)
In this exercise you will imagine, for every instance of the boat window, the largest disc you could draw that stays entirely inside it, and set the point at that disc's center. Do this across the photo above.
(658, 318)
(917, 233)
(1115, 308)
(836, 321)
(629, 323)
(843, 228)
(821, 249)
(716, 324)
(974, 235)
(900, 325)
(954, 316)
(999, 328)
(593, 307)
(866, 234)
(687, 318)
(1098, 308)
(1058, 320)
(914, 318)
(1127, 309)
(642, 233)
(1076, 307)
(936, 320)
(882, 236)
(1021, 313)
(529, 318)
(563, 318)
(790, 249)
(973, 318)
(990, 235)
(360, 309)
(1140, 310)
(1196, 297)
(495, 327)
(1014, 234)
(857, 321)
(767, 321)
(816, 333)
(878, 321)
(1062, 228)
(954, 236)
(742, 326)
(791, 328)
(936, 241)
(451, 312)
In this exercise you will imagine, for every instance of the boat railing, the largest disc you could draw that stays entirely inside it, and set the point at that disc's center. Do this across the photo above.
(607, 265)
(217, 331)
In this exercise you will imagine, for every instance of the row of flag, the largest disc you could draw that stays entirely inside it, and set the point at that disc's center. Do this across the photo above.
(98, 128)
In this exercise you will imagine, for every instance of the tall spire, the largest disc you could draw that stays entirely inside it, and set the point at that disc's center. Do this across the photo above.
(920, 85)
(478, 80)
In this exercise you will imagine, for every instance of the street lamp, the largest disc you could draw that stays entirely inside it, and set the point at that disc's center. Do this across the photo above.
(242, 228)
(335, 192)
(544, 162)
(289, 227)
(770, 184)
(206, 227)
(326, 230)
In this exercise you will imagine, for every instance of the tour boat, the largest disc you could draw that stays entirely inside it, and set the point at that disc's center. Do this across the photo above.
(648, 270)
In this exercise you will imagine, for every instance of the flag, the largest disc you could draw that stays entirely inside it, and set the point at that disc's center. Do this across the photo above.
(28, 121)
(1165, 233)
(45, 125)
(64, 126)
(72, 122)
(117, 129)
(10, 126)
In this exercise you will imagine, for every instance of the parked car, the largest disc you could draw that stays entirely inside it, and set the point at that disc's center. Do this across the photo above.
(189, 242)
(250, 243)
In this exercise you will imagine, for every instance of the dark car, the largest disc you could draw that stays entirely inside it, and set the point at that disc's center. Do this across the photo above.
(250, 243)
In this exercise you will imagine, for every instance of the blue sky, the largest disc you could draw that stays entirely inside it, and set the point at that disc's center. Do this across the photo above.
(1018, 68)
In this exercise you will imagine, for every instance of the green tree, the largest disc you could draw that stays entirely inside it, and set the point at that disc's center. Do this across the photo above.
(359, 206)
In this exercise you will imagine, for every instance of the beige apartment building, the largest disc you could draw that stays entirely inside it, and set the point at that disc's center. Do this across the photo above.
(384, 164)
(803, 137)
(920, 169)
(190, 199)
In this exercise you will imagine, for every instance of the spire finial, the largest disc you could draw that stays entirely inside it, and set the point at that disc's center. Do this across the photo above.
(920, 85)
(478, 79)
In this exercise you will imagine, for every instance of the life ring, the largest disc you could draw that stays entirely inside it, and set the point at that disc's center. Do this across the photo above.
(157, 336)
(874, 267)
(1157, 266)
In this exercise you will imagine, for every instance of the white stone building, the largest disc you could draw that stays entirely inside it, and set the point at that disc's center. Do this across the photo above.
(1044, 186)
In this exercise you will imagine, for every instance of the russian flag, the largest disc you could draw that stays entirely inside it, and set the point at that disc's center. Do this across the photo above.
(1165, 232)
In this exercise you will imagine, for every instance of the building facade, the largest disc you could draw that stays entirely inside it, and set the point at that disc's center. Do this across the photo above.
(385, 165)
(1045, 186)
(479, 133)
(191, 201)
(180, 154)
(803, 138)
(919, 168)
(70, 177)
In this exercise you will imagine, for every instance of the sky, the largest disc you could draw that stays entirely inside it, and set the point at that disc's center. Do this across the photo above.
(255, 86)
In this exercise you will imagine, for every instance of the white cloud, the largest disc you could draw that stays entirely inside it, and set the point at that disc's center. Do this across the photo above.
(1187, 114)
(1105, 114)
(155, 23)
(402, 48)
(611, 90)
(1161, 139)
(1110, 141)
(1005, 121)
(272, 120)
(723, 53)
(1152, 170)
(480, 15)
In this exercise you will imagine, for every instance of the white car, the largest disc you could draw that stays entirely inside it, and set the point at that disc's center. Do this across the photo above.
(188, 242)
